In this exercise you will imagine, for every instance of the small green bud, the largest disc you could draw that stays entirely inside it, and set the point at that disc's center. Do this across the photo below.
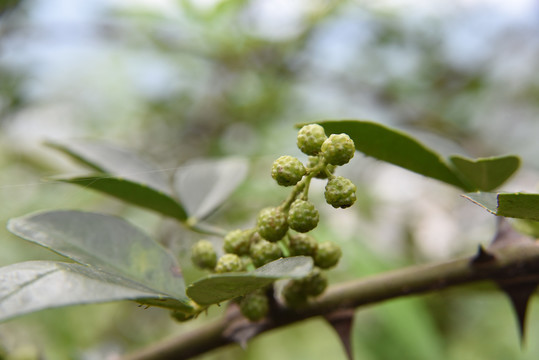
(294, 295)
(340, 192)
(302, 244)
(254, 306)
(272, 224)
(315, 283)
(287, 170)
(229, 263)
(327, 255)
(310, 139)
(302, 216)
(203, 255)
(238, 242)
(264, 252)
(338, 149)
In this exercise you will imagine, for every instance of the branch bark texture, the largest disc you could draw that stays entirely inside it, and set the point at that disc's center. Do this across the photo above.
(514, 263)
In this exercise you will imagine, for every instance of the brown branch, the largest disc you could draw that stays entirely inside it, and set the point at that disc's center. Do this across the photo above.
(512, 264)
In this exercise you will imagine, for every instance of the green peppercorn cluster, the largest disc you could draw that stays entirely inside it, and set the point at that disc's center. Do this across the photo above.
(282, 230)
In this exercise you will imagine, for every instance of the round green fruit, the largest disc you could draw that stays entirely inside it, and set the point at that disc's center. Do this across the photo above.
(229, 263)
(340, 192)
(287, 170)
(302, 216)
(272, 224)
(264, 252)
(310, 139)
(327, 255)
(238, 242)
(254, 306)
(294, 295)
(338, 149)
(203, 255)
(302, 244)
(315, 283)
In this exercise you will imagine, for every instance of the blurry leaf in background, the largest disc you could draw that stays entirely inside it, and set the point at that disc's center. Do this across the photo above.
(114, 160)
(486, 174)
(203, 185)
(123, 175)
(36, 285)
(216, 288)
(130, 192)
(108, 243)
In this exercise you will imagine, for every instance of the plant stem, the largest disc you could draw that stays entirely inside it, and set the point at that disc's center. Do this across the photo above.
(510, 265)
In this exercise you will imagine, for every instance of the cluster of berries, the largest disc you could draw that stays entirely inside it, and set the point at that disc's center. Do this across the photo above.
(271, 239)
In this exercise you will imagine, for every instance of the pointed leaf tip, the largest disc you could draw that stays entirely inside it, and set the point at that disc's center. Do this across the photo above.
(486, 174)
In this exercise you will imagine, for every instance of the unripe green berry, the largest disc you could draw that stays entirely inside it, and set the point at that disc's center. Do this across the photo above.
(302, 216)
(238, 242)
(287, 170)
(327, 255)
(340, 192)
(338, 149)
(203, 255)
(294, 295)
(302, 244)
(254, 306)
(229, 263)
(310, 139)
(264, 252)
(315, 283)
(272, 224)
(313, 161)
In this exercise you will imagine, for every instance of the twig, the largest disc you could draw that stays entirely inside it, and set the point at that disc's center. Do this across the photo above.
(509, 265)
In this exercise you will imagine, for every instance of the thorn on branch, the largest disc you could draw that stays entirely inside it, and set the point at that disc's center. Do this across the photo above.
(482, 257)
(519, 295)
(341, 320)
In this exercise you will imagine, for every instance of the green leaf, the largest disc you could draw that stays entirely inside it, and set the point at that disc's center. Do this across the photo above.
(36, 285)
(203, 185)
(132, 192)
(107, 243)
(486, 174)
(114, 160)
(515, 205)
(216, 288)
(122, 174)
(397, 148)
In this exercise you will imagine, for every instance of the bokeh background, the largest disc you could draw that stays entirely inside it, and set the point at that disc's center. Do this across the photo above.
(181, 79)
